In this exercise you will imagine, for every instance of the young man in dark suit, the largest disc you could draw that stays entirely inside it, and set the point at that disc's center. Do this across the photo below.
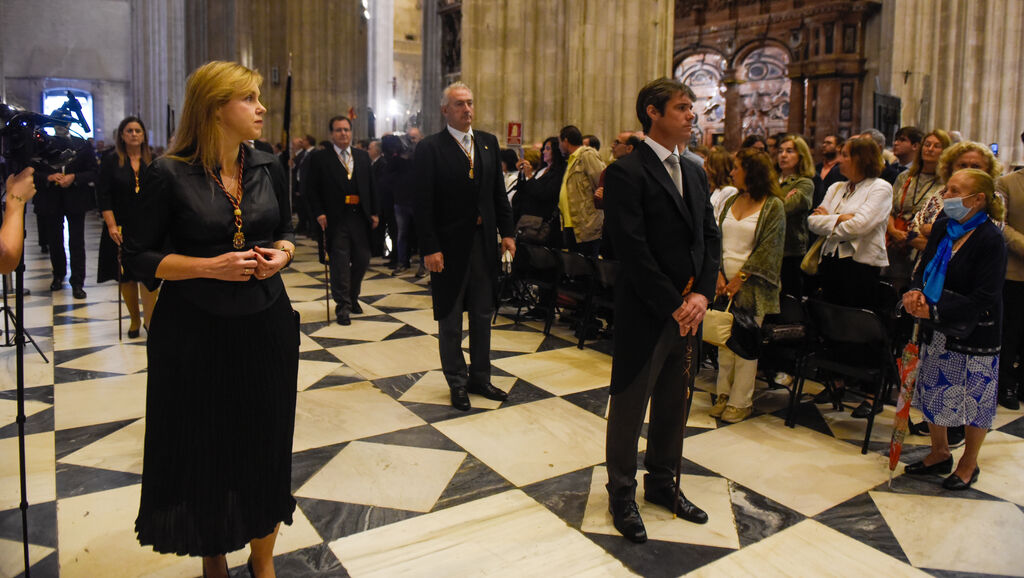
(659, 216)
(342, 194)
(461, 208)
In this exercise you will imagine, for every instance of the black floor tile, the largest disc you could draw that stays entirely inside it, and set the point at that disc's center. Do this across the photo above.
(565, 495)
(75, 480)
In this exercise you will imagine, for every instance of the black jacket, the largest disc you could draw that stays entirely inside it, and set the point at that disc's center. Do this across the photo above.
(80, 197)
(327, 183)
(662, 241)
(821, 185)
(181, 210)
(972, 296)
(448, 203)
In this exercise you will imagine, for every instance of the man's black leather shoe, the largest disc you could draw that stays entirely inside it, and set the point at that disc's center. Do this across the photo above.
(344, 319)
(356, 308)
(684, 508)
(919, 469)
(78, 292)
(487, 390)
(627, 520)
(57, 285)
(460, 399)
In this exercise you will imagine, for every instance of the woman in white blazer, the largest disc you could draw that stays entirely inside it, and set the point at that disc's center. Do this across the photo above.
(852, 218)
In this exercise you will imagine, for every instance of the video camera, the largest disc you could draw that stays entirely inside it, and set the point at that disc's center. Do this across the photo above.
(24, 142)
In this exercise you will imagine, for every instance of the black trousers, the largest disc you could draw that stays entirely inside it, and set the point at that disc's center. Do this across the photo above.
(1013, 335)
(477, 297)
(848, 283)
(54, 225)
(662, 382)
(791, 276)
(349, 243)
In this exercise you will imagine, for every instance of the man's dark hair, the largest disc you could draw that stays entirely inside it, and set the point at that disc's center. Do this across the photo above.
(595, 142)
(839, 139)
(391, 146)
(310, 140)
(633, 141)
(778, 137)
(325, 144)
(658, 93)
(911, 133)
(754, 138)
(334, 119)
(571, 135)
(363, 144)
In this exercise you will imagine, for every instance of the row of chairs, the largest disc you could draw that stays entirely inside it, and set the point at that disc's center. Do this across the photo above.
(855, 345)
(836, 342)
(542, 278)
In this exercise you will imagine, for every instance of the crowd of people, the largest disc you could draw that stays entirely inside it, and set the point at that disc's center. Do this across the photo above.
(935, 220)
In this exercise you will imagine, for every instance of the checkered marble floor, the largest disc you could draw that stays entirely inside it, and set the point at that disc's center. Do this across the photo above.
(391, 480)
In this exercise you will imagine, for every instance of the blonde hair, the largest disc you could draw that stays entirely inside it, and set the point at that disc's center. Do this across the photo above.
(953, 154)
(458, 84)
(983, 182)
(804, 168)
(208, 88)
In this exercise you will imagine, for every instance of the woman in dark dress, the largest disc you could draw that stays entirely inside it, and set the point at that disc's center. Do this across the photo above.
(538, 191)
(213, 224)
(117, 190)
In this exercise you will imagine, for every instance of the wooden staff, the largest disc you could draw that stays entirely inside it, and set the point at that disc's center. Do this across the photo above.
(120, 278)
(327, 274)
(689, 377)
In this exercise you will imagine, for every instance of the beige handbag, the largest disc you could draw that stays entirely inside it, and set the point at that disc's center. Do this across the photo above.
(718, 326)
(810, 262)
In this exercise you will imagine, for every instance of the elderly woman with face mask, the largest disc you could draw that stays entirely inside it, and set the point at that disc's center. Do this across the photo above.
(957, 293)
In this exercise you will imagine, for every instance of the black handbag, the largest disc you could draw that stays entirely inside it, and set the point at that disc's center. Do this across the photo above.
(533, 229)
(745, 336)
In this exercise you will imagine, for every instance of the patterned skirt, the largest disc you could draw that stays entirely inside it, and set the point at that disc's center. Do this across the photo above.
(955, 389)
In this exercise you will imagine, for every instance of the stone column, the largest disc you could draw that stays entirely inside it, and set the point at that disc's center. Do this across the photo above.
(548, 64)
(431, 87)
(796, 105)
(733, 111)
(158, 65)
(381, 65)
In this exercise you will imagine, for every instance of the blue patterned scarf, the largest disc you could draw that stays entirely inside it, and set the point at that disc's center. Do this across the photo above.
(935, 272)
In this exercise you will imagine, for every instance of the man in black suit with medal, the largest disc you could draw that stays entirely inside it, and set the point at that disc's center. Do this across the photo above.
(341, 192)
(659, 216)
(461, 208)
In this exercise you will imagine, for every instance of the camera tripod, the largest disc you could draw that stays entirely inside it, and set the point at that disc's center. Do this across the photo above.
(11, 320)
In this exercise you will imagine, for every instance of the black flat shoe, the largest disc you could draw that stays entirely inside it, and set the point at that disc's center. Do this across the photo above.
(865, 409)
(830, 396)
(683, 508)
(343, 318)
(954, 483)
(919, 469)
(356, 308)
(626, 519)
(57, 285)
(1008, 399)
(460, 399)
(487, 390)
(78, 293)
(919, 429)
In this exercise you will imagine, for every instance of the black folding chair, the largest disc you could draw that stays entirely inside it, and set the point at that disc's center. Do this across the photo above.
(539, 269)
(784, 339)
(602, 300)
(577, 286)
(853, 344)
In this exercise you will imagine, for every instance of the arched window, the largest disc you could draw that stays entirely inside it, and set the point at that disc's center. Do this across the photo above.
(702, 72)
(764, 91)
(54, 98)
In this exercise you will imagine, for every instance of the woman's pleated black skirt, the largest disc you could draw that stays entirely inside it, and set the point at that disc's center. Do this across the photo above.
(220, 413)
